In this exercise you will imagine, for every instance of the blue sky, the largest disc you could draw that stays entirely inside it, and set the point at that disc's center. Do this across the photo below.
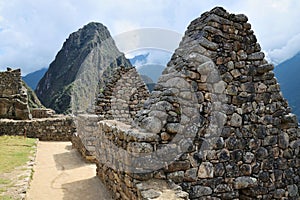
(33, 31)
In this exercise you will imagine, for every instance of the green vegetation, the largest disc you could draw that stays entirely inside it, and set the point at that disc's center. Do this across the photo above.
(15, 151)
(33, 101)
(6, 198)
(4, 182)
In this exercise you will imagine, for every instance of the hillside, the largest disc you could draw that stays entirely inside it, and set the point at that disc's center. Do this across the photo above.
(71, 81)
(32, 79)
(287, 74)
(33, 101)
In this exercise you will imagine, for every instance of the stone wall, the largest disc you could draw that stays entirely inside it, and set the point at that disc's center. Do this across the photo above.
(85, 137)
(216, 123)
(121, 95)
(42, 113)
(13, 96)
(47, 129)
(113, 146)
(218, 96)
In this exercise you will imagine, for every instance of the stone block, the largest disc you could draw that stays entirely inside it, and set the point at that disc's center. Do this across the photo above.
(245, 182)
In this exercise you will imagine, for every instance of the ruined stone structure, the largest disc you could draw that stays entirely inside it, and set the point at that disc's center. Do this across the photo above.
(16, 117)
(13, 96)
(216, 123)
(122, 94)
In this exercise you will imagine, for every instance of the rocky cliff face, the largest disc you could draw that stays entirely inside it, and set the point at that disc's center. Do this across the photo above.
(72, 78)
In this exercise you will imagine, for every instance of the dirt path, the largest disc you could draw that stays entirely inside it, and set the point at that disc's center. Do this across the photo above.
(61, 174)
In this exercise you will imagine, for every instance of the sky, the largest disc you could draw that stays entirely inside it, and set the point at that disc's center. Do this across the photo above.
(33, 31)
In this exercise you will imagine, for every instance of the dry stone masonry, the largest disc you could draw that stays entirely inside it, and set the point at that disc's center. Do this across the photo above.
(84, 139)
(245, 138)
(216, 123)
(16, 117)
(45, 129)
(122, 93)
(215, 127)
(13, 96)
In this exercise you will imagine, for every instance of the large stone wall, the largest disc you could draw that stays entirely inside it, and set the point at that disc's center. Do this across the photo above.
(13, 96)
(219, 95)
(216, 123)
(47, 129)
(121, 95)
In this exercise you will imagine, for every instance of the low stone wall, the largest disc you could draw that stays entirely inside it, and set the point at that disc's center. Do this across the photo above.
(42, 113)
(85, 137)
(123, 157)
(48, 129)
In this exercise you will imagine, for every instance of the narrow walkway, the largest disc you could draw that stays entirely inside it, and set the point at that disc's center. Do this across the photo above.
(61, 174)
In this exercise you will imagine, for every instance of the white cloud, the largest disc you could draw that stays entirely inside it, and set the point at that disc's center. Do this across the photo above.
(148, 38)
(287, 51)
(152, 57)
(33, 31)
(124, 25)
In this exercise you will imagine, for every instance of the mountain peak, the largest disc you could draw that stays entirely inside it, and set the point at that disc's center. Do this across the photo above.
(90, 50)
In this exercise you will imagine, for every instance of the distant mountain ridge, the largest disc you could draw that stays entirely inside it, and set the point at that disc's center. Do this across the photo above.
(150, 70)
(142, 58)
(72, 78)
(32, 79)
(288, 73)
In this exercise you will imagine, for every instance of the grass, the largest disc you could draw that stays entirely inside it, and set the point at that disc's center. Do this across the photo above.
(6, 198)
(3, 182)
(15, 151)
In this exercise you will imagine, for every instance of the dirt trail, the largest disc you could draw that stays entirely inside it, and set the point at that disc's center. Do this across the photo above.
(61, 174)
